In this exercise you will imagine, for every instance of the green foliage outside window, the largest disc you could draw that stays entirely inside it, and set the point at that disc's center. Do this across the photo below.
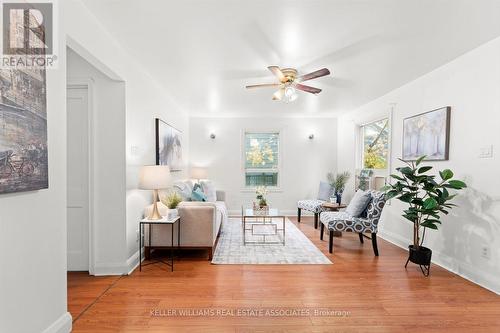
(376, 144)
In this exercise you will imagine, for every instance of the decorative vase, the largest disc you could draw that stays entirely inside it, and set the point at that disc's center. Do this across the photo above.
(339, 198)
(172, 213)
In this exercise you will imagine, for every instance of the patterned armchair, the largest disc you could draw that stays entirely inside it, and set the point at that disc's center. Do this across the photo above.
(315, 205)
(342, 221)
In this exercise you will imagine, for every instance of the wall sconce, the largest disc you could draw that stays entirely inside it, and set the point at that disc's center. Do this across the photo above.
(311, 136)
(212, 136)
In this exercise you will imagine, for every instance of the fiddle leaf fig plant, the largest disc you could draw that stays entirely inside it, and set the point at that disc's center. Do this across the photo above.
(427, 196)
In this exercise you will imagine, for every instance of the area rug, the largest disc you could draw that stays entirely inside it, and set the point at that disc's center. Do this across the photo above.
(298, 249)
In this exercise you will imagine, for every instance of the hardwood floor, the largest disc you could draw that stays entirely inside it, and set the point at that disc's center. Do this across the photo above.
(84, 290)
(378, 293)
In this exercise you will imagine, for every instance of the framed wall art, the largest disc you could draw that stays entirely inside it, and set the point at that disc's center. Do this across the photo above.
(427, 134)
(168, 145)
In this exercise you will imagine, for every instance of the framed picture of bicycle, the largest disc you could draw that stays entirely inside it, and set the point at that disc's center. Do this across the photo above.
(23, 130)
(168, 145)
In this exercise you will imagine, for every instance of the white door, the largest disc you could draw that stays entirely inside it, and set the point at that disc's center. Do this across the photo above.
(78, 178)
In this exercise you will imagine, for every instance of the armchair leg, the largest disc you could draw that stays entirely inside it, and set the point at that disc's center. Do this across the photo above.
(374, 243)
(330, 242)
(361, 237)
(315, 220)
(321, 231)
(298, 214)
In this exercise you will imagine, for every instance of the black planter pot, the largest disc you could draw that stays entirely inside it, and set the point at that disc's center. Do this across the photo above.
(421, 257)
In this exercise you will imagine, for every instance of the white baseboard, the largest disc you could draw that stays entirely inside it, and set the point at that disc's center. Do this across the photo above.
(126, 268)
(62, 325)
(462, 269)
(133, 261)
(102, 269)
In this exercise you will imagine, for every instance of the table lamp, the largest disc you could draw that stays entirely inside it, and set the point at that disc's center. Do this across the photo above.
(199, 173)
(154, 177)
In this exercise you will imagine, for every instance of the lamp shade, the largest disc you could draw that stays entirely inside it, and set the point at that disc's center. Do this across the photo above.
(199, 173)
(154, 177)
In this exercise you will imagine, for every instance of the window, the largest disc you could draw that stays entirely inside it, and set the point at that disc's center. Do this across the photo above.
(261, 159)
(375, 139)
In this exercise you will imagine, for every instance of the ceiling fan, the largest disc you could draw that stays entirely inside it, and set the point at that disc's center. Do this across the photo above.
(290, 82)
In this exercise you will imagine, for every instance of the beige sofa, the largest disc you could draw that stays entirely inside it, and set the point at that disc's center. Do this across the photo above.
(200, 226)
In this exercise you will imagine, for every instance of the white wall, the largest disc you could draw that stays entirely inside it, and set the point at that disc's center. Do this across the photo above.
(471, 86)
(33, 224)
(33, 235)
(145, 100)
(304, 162)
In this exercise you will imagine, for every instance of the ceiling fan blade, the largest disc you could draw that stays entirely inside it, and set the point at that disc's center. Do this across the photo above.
(313, 75)
(264, 85)
(261, 43)
(278, 95)
(352, 50)
(277, 72)
(308, 89)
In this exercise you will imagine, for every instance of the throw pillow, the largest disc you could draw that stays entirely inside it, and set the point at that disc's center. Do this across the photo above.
(198, 195)
(325, 191)
(358, 203)
(183, 189)
(209, 190)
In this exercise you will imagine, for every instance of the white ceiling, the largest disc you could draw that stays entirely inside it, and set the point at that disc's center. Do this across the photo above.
(205, 52)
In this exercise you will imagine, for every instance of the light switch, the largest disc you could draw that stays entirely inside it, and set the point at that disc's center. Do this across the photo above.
(486, 152)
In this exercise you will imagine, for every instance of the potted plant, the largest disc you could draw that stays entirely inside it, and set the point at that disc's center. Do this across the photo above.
(261, 192)
(172, 200)
(427, 199)
(338, 182)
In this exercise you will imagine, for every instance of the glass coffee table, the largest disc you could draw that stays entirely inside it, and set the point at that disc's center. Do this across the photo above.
(263, 226)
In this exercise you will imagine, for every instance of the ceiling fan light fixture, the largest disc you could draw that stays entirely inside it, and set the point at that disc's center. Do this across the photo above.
(292, 97)
(289, 83)
(290, 91)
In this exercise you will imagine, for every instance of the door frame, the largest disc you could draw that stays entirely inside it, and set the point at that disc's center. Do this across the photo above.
(88, 83)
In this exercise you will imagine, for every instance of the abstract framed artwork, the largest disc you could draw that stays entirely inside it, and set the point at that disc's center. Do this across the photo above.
(168, 145)
(427, 134)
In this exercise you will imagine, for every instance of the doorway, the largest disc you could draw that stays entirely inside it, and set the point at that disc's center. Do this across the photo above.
(78, 191)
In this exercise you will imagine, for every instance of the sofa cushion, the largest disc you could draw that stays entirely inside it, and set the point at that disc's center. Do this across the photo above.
(209, 190)
(325, 191)
(314, 206)
(358, 203)
(342, 221)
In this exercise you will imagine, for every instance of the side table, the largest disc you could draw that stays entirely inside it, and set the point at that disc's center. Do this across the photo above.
(334, 207)
(162, 221)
